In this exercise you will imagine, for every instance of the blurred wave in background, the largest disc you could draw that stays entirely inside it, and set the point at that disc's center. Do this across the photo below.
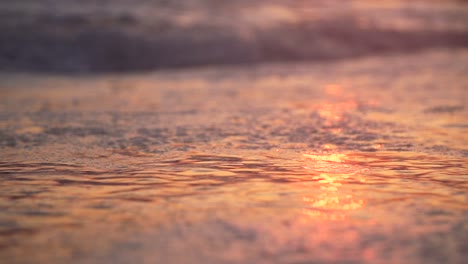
(132, 35)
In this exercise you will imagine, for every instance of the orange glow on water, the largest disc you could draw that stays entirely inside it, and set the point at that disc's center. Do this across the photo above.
(331, 204)
(329, 147)
(334, 202)
(324, 216)
(325, 157)
(334, 112)
(333, 89)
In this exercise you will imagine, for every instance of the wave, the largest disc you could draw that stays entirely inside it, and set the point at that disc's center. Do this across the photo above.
(96, 38)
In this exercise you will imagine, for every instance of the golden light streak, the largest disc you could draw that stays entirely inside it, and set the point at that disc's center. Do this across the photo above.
(378, 146)
(331, 204)
(334, 112)
(334, 157)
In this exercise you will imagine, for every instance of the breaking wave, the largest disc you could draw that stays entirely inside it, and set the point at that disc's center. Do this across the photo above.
(122, 35)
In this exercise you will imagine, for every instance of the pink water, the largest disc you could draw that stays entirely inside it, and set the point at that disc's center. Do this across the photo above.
(359, 161)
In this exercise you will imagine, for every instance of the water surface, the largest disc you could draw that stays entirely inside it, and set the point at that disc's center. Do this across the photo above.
(361, 161)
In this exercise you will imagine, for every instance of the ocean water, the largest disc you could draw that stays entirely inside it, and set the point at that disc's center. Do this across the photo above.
(353, 161)
(121, 35)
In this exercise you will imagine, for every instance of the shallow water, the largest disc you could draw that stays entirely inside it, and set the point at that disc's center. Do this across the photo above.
(353, 162)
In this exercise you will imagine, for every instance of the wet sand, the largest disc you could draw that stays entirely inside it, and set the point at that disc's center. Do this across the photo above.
(355, 161)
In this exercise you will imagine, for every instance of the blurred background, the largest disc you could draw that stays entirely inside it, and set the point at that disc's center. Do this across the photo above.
(90, 36)
(337, 132)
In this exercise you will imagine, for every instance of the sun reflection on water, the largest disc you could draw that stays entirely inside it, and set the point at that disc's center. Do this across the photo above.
(331, 204)
(332, 169)
(334, 112)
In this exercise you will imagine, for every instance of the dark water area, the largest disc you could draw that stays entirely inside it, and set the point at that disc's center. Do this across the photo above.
(122, 35)
(356, 161)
